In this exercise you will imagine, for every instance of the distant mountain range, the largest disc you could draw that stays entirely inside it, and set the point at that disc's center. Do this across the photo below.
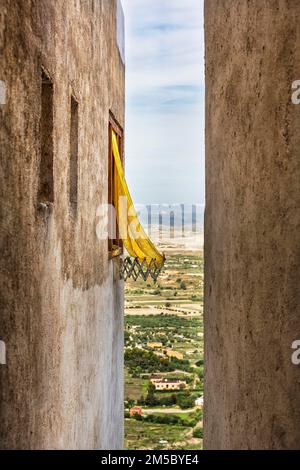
(188, 215)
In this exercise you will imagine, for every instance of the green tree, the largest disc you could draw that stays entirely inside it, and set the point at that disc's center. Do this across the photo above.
(198, 433)
(151, 399)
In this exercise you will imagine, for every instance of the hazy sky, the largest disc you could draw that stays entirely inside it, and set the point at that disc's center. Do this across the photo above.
(165, 100)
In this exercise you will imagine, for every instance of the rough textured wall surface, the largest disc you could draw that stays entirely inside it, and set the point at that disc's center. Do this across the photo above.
(61, 302)
(252, 242)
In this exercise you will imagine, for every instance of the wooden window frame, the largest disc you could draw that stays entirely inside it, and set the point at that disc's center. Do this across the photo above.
(115, 247)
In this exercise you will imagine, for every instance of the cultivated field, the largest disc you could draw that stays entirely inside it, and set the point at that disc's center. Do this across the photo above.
(169, 315)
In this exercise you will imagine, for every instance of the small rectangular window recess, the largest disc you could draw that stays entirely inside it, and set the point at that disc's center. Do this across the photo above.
(46, 178)
(74, 129)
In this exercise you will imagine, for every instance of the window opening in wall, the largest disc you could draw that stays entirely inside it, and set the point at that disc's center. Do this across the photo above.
(115, 244)
(46, 184)
(73, 189)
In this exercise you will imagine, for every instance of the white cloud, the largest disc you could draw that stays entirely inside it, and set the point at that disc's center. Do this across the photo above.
(165, 99)
(164, 42)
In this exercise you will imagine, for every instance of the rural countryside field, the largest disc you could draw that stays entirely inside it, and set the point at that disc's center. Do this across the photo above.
(164, 353)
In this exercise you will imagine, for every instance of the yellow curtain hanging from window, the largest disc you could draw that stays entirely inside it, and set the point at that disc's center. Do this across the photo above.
(135, 239)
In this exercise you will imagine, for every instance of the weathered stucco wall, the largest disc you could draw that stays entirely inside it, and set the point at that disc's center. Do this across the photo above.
(61, 302)
(252, 242)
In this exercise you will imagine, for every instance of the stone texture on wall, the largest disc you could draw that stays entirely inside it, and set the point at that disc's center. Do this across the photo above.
(252, 242)
(61, 301)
